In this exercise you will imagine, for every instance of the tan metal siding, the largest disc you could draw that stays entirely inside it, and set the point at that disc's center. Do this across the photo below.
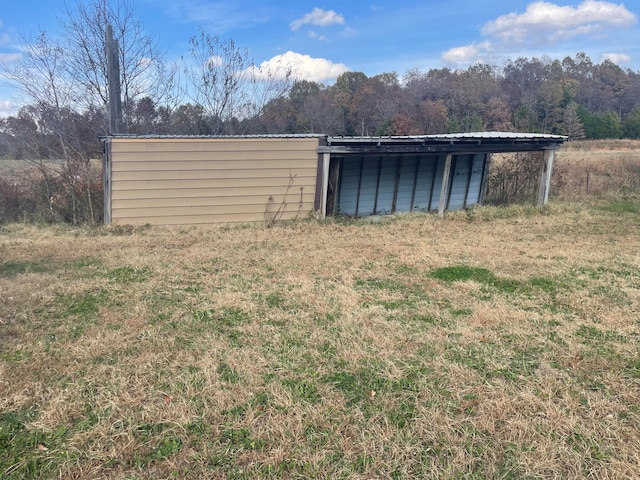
(199, 181)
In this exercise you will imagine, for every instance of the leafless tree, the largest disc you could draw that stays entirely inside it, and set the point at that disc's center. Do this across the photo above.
(222, 78)
(42, 77)
(143, 69)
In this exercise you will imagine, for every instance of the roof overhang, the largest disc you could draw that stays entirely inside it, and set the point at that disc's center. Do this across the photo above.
(478, 142)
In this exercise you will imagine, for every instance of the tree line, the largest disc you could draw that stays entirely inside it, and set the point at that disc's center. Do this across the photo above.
(574, 97)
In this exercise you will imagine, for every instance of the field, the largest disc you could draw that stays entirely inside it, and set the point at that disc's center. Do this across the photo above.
(597, 167)
(495, 343)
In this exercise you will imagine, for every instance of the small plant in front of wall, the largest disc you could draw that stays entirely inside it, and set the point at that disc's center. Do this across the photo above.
(272, 216)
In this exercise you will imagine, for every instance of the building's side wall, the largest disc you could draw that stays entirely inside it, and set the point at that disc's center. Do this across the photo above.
(198, 181)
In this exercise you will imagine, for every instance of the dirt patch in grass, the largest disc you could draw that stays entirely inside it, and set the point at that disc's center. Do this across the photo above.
(502, 343)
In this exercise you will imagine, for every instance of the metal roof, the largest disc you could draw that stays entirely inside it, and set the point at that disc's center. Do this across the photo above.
(471, 142)
(456, 136)
(343, 138)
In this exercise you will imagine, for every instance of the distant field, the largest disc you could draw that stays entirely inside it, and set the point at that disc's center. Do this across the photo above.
(601, 167)
(18, 166)
(495, 343)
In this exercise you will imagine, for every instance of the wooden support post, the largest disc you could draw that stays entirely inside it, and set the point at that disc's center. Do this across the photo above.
(544, 184)
(326, 161)
(444, 190)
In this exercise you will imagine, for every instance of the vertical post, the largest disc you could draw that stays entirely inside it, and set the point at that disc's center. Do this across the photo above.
(444, 190)
(333, 183)
(113, 78)
(106, 172)
(326, 160)
(544, 184)
(375, 200)
(415, 184)
(394, 202)
(485, 176)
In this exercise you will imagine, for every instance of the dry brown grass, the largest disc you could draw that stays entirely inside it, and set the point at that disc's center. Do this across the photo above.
(497, 343)
(597, 167)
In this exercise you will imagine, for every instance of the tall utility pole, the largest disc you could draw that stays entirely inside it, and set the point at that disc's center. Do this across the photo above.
(116, 125)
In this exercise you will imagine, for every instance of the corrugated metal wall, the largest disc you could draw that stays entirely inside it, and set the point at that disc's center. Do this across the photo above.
(466, 180)
(170, 181)
(405, 183)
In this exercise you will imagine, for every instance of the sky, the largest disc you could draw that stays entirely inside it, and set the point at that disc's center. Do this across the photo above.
(321, 40)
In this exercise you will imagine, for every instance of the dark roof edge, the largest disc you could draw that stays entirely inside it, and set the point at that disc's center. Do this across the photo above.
(206, 137)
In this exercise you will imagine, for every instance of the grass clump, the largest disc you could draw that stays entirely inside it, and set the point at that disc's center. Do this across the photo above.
(621, 207)
(13, 268)
(27, 452)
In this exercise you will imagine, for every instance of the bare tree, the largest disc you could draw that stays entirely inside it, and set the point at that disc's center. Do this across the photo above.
(143, 71)
(42, 77)
(222, 78)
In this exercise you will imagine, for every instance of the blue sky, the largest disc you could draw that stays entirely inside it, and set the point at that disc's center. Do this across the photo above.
(322, 40)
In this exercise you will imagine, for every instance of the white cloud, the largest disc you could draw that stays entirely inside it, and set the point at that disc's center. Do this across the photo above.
(9, 57)
(303, 67)
(319, 18)
(542, 24)
(468, 54)
(348, 32)
(313, 34)
(458, 55)
(7, 108)
(617, 58)
(547, 23)
(214, 61)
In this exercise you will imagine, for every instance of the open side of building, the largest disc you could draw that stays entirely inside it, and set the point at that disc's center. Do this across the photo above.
(170, 180)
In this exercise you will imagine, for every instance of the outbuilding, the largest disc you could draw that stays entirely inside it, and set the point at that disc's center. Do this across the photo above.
(171, 180)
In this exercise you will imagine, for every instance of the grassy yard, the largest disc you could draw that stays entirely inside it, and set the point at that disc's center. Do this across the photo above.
(496, 343)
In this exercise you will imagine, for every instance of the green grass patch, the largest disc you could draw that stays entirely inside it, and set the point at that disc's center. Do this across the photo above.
(227, 373)
(464, 273)
(223, 319)
(358, 385)
(127, 275)
(302, 390)
(26, 452)
(621, 207)
(15, 355)
(238, 439)
(85, 305)
(13, 268)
